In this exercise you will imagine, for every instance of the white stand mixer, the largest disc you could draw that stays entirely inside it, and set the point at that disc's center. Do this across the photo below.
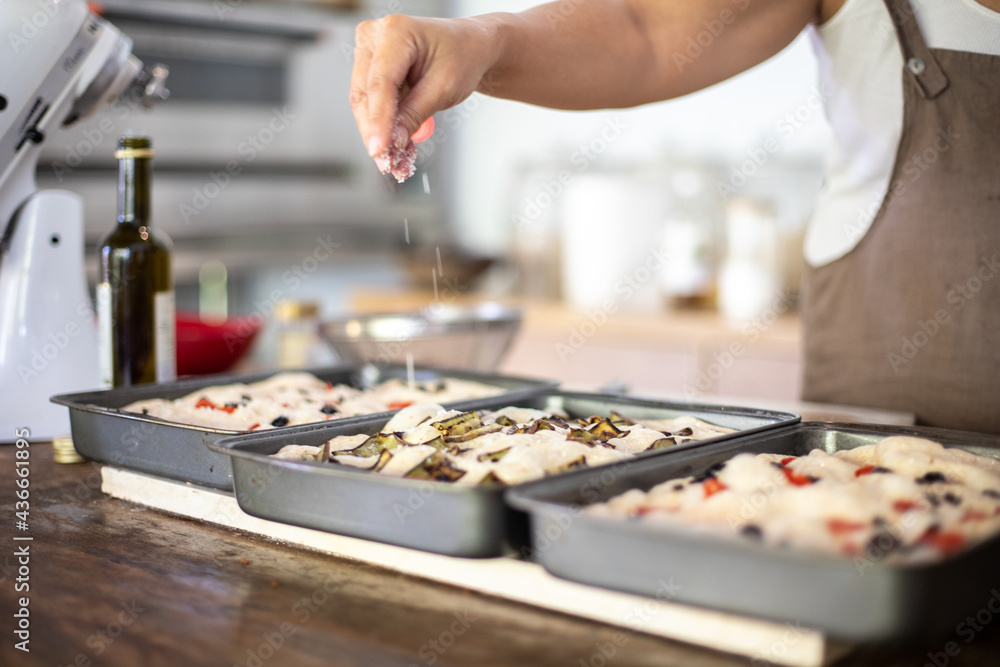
(62, 64)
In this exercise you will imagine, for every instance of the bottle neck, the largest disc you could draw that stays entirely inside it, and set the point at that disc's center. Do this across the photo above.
(133, 190)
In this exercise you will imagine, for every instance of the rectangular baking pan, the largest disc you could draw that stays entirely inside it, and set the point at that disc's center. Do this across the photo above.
(433, 516)
(103, 432)
(855, 600)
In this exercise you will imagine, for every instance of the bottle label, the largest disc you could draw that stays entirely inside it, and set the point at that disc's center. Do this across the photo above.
(104, 349)
(166, 343)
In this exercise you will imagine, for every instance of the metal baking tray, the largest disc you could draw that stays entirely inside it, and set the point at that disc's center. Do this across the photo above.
(857, 601)
(103, 432)
(433, 516)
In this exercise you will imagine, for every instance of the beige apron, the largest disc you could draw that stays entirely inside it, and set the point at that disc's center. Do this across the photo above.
(910, 318)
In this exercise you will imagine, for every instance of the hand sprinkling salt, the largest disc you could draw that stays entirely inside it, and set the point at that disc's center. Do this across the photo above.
(400, 158)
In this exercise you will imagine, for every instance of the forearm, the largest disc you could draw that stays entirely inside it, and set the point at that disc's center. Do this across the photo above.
(571, 54)
(587, 54)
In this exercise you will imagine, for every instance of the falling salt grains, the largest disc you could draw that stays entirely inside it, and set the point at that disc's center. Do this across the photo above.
(409, 371)
(406, 229)
(440, 268)
(434, 277)
(427, 183)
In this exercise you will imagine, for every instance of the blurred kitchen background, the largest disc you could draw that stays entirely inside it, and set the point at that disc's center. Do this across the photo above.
(656, 248)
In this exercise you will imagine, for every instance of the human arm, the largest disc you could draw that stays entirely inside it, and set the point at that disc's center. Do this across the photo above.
(570, 54)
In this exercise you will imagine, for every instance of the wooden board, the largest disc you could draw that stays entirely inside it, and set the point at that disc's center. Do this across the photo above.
(762, 641)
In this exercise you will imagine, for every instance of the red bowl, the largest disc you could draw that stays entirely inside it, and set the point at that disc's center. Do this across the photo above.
(212, 347)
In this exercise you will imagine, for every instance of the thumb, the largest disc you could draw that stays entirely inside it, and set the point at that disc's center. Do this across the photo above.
(419, 104)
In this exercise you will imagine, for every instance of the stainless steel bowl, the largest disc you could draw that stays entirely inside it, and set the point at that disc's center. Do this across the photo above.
(474, 337)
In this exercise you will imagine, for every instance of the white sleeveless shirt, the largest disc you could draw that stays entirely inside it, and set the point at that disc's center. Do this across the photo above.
(860, 76)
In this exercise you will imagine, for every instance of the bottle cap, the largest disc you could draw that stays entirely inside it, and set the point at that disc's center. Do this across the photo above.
(64, 452)
(134, 146)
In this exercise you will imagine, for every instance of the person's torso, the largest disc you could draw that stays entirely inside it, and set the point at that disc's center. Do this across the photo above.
(859, 72)
(906, 317)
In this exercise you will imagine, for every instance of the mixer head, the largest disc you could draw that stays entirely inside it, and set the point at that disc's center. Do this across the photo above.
(67, 62)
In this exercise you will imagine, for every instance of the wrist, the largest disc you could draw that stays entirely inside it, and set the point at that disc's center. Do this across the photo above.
(495, 35)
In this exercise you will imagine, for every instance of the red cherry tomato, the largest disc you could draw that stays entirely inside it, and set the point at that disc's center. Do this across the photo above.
(840, 526)
(905, 506)
(797, 479)
(713, 486)
(946, 543)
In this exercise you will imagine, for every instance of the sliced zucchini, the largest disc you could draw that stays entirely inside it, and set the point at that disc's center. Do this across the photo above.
(578, 462)
(324, 453)
(662, 443)
(492, 456)
(459, 424)
(471, 435)
(437, 443)
(583, 436)
(490, 478)
(377, 444)
(604, 430)
(383, 459)
(438, 468)
(618, 418)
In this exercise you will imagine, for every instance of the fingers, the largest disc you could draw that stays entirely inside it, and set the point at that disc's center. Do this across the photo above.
(383, 57)
(407, 69)
(359, 81)
(419, 104)
(372, 87)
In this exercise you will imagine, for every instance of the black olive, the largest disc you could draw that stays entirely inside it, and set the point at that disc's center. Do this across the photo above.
(931, 478)
(933, 499)
(990, 493)
(952, 499)
(678, 487)
(232, 405)
(684, 431)
(880, 470)
(328, 409)
(716, 467)
(246, 399)
(145, 411)
(882, 543)
(777, 465)
(752, 531)
(280, 421)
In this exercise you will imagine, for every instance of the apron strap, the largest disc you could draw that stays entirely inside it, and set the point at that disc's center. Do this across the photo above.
(919, 61)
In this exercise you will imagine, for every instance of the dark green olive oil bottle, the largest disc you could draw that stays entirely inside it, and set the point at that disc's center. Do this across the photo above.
(135, 295)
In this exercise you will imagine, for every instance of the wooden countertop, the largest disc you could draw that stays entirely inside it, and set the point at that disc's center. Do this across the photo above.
(118, 584)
